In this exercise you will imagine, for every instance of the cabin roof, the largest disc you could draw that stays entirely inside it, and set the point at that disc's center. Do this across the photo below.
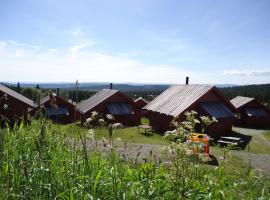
(47, 98)
(239, 101)
(96, 99)
(141, 99)
(17, 95)
(177, 99)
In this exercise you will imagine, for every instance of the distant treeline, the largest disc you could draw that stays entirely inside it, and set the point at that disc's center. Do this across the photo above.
(259, 92)
(31, 93)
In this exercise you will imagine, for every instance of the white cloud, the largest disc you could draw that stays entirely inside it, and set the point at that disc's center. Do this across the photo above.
(31, 63)
(58, 65)
(81, 40)
(248, 72)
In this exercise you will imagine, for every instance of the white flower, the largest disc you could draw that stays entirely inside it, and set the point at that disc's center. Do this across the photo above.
(91, 134)
(109, 117)
(117, 125)
(88, 120)
(101, 121)
(94, 113)
(214, 119)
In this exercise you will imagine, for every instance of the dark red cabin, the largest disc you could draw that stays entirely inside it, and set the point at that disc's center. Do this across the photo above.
(17, 105)
(140, 102)
(250, 112)
(108, 101)
(177, 100)
(58, 109)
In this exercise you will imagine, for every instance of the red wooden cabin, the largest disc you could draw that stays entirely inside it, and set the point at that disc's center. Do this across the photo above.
(178, 99)
(58, 109)
(17, 104)
(108, 101)
(140, 102)
(249, 112)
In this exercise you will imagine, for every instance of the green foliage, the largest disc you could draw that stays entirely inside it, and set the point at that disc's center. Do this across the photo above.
(259, 92)
(41, 162)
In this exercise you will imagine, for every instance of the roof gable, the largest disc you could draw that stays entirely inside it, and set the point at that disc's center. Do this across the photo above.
(17, 95)
(177, 98)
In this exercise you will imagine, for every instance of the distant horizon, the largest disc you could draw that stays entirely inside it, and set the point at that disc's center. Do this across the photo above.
(124, 83)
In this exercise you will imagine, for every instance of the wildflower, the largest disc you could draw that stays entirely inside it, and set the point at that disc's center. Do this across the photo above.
(88, 120)
(94, 115)
(91, 134)
(221, 158)
(196, 121)
(214, 119)
(109, 117)
(101, 121)
(117, 125)
(91, 131)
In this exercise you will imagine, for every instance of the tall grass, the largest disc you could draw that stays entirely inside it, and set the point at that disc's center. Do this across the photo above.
(39, 162)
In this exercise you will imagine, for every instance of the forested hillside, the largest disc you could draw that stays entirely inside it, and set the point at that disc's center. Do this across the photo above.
(259, 92)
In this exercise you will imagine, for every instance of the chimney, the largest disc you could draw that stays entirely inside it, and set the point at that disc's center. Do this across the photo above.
(57, 91)
(110, 85)
(187, 80)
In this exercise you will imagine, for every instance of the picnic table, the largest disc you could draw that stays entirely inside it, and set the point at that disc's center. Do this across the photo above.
(146, 128)
(235, 141)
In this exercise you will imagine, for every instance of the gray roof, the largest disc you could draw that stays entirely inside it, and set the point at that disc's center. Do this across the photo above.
(96, 99)
(44, 100)
(47, 98)
(17, 95)
(177, 99)
(140, 99)
(240, 101)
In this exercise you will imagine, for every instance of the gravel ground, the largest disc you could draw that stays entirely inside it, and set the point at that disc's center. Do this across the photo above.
(137, 153)
(257, 161)
(248, 131)
(131, 152)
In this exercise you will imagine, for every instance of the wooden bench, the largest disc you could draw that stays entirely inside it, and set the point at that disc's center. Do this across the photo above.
(230, 141)
(227, 142)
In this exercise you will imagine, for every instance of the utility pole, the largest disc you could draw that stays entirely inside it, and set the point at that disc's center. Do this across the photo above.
(76, 95)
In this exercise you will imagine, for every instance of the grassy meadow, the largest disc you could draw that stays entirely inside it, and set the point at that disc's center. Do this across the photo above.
(40, 162)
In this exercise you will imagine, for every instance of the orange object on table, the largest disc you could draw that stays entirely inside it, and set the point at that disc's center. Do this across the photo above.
(200, 138)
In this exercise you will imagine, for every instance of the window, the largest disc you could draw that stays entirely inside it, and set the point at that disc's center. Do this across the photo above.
(217, 110)
(119, 108)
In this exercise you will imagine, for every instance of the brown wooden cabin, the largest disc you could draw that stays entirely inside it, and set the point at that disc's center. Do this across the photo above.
(140, 102)
(178, 99)
(17, 105)
(108, 101)
(251, 113)
(58, 109)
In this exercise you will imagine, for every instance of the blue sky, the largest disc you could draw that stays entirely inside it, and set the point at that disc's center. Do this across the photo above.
(146, 41)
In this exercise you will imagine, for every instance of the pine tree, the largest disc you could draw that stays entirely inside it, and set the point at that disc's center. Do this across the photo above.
(18, 89)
